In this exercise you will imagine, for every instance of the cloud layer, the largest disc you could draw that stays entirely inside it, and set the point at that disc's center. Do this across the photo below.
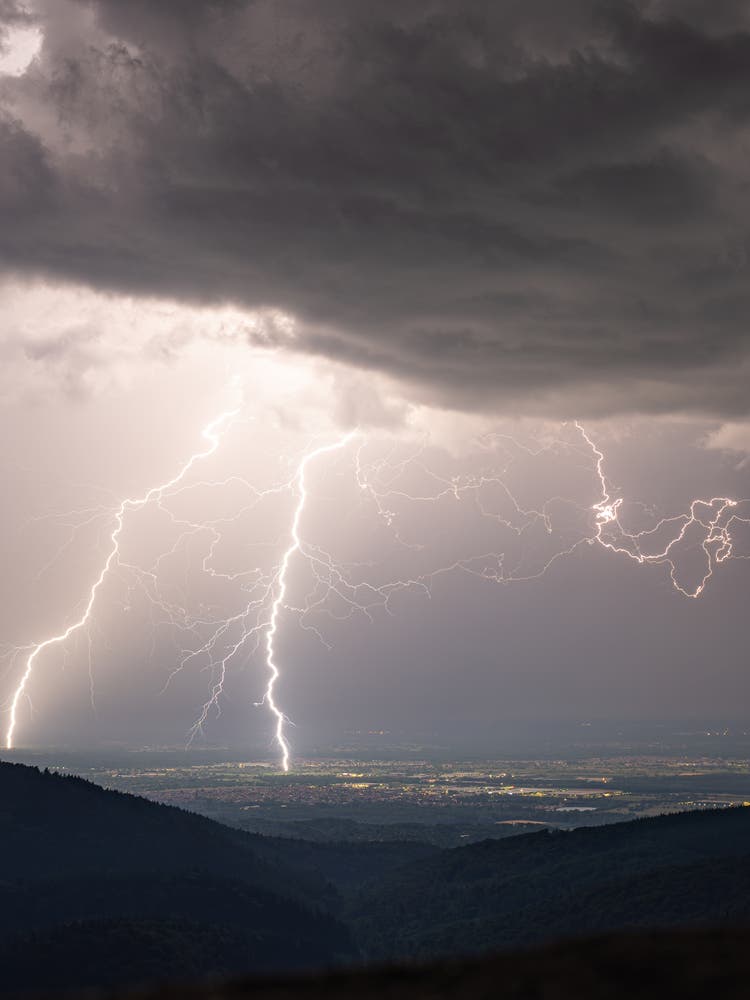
(531, 206)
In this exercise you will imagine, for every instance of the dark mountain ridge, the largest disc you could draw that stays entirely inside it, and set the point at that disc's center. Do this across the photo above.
(75, 855)
(661, 871)
(684, 965)
(114, 888)
(50, 823)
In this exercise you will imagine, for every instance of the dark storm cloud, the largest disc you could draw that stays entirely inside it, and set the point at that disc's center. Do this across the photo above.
(14, 13)
(534, 202)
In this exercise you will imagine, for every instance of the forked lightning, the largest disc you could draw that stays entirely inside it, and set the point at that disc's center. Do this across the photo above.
(219, 640)
(278, 603)
(211, 433)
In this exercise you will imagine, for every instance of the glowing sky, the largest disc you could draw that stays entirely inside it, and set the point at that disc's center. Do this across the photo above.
(435, 223)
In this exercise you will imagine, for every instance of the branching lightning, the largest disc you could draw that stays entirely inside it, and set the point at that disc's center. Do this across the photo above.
(212, 434)
(278, 603)
(530, 538)
(714, 518)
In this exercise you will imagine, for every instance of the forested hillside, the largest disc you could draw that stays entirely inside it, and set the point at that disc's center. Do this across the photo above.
(114, 889)
(677, 965)
(86, 874)
(660, 872)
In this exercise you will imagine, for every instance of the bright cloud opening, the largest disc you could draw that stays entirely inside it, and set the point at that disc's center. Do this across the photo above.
(18, 50)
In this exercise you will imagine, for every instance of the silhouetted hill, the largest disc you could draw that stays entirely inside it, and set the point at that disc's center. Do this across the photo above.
(660, 872)
(77, 860)
(110, 888)
(690, 965)
(50, 824)
(112, 952)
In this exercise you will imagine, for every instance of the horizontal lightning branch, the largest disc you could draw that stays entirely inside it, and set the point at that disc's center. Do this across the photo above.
(216, 640)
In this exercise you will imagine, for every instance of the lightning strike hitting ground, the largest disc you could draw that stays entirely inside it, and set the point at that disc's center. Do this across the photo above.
(211, 433)
(531, 538)
(278, 604)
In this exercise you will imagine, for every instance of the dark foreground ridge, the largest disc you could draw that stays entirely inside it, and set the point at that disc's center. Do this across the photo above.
(111, 889)
(686, 869)
(687, 965)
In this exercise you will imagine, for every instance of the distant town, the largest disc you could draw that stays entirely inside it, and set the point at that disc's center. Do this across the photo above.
(444, 801)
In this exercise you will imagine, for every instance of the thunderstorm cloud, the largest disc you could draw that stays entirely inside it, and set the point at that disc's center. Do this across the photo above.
(526, 205)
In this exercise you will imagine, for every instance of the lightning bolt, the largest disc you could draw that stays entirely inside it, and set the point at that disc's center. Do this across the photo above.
(211, 433)
(716, 517)
(295, 546)
(383, 481)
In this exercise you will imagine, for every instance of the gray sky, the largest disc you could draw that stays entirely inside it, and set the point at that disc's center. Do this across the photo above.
(436, 222)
